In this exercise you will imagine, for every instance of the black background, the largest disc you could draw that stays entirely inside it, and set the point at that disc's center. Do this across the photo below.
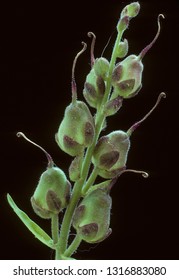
(38, 45)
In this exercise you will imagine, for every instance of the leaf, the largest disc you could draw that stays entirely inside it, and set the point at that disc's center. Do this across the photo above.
(39, 233)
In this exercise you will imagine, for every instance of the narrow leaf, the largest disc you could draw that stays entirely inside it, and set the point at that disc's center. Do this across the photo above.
(39, 233)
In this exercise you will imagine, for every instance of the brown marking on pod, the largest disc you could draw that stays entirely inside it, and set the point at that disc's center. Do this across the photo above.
(107, 160)
(69, 142)
(90, 89)
(89, 133)
(89, 230)
(43, 213)
(117, 73)
(112, 106)
(79, 212)
(53, 201)
(126, 85)
(100, 85)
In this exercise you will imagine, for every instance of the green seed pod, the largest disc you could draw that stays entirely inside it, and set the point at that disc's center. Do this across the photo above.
(111, 151)
(53, 190)
(52, 193)
(92, 217)
(94, 89)
(110, 154)
(127, 75)
(131, 10)
(101, 67)
(76, 130)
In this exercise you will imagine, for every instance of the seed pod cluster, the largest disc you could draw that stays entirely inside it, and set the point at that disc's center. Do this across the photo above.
(78, 135)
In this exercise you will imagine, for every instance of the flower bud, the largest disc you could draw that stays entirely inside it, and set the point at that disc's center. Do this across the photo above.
(92, 217)
(52, 193)
(123, 24)
(123, 48)
(127, 74)
(110, 154)
(101, 67)
(76, 130)
(131, 10)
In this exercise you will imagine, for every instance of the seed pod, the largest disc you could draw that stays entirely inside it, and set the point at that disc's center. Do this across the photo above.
(94, 89)
(111, 151)
(127, 75)
(110, 154)
(92, 217)
(101, 67)
(52, 193)
(76, 130)
(53, 190)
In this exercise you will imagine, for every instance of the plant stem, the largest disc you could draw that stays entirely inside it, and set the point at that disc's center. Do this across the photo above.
(67, 219)
(55, 228)
(76, 194)
(90, 181)
(73, 246)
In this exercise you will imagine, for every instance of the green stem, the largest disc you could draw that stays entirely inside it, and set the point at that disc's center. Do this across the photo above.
(73, 246)
(55, 228)
(76, 194)
(55, 233)
(67, 219)
(90, 181)
(111, 67)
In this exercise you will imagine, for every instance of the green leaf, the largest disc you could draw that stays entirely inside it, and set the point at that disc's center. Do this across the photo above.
(39, 233)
